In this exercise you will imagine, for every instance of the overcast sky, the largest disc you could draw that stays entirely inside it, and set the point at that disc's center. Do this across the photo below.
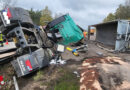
(84, 12)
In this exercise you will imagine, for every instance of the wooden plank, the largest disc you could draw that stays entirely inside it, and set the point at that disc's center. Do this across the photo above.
(7, 54)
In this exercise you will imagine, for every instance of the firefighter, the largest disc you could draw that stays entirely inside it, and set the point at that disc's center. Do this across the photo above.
(1, 39)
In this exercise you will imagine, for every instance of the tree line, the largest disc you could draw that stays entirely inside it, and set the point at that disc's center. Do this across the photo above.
(122, 12)
(41, 17)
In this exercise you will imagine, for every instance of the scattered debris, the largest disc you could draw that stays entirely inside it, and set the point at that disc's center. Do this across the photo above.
(106, 49)
(77, 74)
(74, 51)
(60, 62)
(100, 53)
(60, 48)
(107, 73)
(82, 48)
(15, 83)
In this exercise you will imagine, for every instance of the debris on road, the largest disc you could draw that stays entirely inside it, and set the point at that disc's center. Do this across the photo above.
(60, 48)
(100, 53)
(82, 48)
(76, 73)
(108, 73)
(59, 62)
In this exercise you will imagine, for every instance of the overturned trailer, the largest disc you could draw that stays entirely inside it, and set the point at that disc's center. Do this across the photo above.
(114, 33)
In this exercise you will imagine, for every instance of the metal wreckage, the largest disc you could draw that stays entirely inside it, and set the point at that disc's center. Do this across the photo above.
(31, 47)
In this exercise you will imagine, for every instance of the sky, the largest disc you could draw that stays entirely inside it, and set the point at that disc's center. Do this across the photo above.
(83, 12)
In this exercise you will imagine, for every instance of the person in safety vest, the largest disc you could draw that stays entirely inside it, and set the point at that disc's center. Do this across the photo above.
(1, 39)
(85, 34)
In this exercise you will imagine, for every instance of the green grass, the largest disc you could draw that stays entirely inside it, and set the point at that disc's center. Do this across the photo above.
(38, 76)
(64, 85)
(67, 81)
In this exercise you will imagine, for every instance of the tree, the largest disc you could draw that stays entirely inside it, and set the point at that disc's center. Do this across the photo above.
(110, 17)
(35, 16)
(122, 12)
(45, 16)
(7, 3)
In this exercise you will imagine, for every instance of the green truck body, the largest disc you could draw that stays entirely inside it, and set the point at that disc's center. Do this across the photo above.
(69, 31)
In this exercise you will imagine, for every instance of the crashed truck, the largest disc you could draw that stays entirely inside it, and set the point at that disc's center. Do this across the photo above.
(30, 47)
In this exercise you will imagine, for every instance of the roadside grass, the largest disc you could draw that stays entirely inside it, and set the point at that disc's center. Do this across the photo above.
(67, 81)
(38, 76)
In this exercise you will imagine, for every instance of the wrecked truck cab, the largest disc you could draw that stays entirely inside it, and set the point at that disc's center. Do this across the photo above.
(63, 30)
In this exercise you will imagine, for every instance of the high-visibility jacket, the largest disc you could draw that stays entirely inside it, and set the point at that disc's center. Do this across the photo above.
(85, 34)
(1, 37)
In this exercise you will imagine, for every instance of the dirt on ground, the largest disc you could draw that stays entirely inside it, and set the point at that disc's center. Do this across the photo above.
(93, 66)
(106, 73)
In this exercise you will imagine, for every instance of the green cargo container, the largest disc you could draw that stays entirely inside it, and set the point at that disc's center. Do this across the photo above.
(69, 31)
